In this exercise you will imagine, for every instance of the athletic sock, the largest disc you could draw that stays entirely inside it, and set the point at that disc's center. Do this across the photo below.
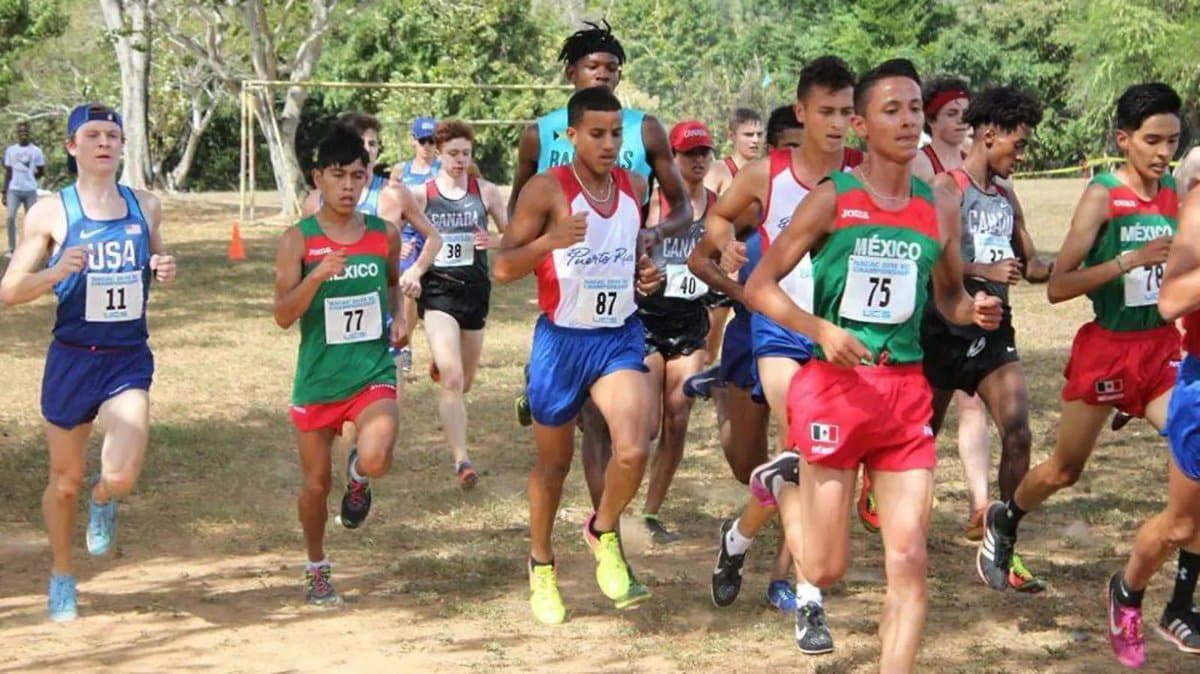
(354, 473)
(1126, 596)
(593, 530)
(313, 566)
(735, 542)
(650, 517)
(1010, 517)
(535, 563)
(1185, 581)
(807, 593)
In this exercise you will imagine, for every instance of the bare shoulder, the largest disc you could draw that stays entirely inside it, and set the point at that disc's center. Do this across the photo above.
(47, 216)
(639, 184)
(150, 203)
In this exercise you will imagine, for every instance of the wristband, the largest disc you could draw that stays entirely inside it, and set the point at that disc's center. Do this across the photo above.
(1118, 260)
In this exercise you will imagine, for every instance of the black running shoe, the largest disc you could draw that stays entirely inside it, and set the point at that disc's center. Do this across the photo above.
(700, 384)
(994, 559)
(318, 588)
(1119, 420)
(1181, 628)
(727, 576)
(812, 634)
(658, 531)
(356, 502)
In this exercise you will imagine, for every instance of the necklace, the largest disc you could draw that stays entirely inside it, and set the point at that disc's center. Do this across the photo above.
(594, 198)
(885, 197)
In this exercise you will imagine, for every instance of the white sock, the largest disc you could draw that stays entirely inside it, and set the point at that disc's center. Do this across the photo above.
(354, 473)
(313, 566)
(807, 593)
(735, 542)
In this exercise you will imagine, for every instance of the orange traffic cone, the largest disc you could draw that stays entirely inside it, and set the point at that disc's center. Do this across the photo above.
(237, 251)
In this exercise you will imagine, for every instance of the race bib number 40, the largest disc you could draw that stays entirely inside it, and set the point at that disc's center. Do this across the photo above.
(1142, 284)
(458, 250)
(879, 290)
(604, 302)
(356, 318)
(683, 284)
(991, 248)
(114, 297)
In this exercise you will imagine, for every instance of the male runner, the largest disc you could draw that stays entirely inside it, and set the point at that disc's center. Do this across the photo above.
(1187, 174)
(774, 187)
(1126, 358)
(578, 228)
(593, 57)
(746, 137)
(997, 252)
(676, 323)
(412, 174)
(878, 241)
(455, 292)
(783, 129)
(104, 242)
(945, 100)
(337, 273)
(1178, 523)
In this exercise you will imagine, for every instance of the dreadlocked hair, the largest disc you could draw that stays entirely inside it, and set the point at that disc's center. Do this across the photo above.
(591, 40)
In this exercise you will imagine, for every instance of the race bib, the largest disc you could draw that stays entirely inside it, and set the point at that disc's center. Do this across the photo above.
(683, 284)
(356, 318)
(991, 248)
(604, 302)
(113, 297)
(879, 290)
(1142, 284)
(458, 250)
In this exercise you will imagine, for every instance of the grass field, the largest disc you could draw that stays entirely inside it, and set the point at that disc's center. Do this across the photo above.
(207, 575)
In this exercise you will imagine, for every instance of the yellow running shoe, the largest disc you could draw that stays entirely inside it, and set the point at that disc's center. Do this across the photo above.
(544, 598)
(1021, 580)
(612, 573)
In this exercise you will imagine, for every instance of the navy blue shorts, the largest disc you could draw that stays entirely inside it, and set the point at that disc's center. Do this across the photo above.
(770, 339)
(1183, 418)
(408, 234)
(737, 355)
(77, 380)
(565, 362)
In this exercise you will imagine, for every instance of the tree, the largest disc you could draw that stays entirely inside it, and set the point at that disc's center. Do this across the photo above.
(130, 28)
(23, 24)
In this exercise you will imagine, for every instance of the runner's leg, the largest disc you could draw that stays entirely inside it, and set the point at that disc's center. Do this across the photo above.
(445, 345)
(905, 500)
(677, 409)
(317, 480)
(59, 505)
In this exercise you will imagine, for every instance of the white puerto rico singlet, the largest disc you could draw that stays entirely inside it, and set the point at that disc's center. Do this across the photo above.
(590, 284)
(784, 194)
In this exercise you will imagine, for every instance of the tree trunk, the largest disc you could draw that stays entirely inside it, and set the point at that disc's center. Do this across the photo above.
(199, 121)
(129, 23)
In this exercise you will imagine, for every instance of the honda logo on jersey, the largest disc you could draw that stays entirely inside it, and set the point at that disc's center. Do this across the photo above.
(1110, 389)
(824, 433)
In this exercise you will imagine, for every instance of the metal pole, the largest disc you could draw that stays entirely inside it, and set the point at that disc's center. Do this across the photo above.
(242, 159)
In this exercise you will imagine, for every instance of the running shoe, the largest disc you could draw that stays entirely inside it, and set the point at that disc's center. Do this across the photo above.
(782, 596)
(102, 523)
(974, 527)
(868, 512)
(1181, 628)
(466, 475)
(1119, 420)
(993, 561)
(1125, 629)
(524, 413)
(544, 599)
(700, 384)
(658, 532)
(61, 600)
(1021, 580)
(612, 571)
(812, 633)
(319, 589)
(404, 360)
(637, 593)
(727, 574)
(764, 480)
(356, 502)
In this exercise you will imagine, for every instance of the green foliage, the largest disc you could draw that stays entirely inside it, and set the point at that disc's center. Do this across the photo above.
(22, 24)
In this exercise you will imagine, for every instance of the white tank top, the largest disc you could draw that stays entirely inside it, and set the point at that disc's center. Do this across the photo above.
(590, 284)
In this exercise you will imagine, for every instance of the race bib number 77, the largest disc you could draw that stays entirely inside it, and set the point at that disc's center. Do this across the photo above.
(356, 318)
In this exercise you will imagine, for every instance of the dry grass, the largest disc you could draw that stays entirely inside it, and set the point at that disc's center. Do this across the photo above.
(207, 575)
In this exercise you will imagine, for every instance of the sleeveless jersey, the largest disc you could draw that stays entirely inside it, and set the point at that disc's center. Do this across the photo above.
(369, 204)
(732, 166)
(872, 274)
(555, 149)
(457, 220)
(1191, 333)
(105, 304)
(681, 292)
(590, 284)
(343, 335)
(1130, 301)
(411, 179)
(784, 194)
(936, 163)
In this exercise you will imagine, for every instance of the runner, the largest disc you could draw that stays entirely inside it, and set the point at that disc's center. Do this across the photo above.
(676, 323)
(996, 252)
(455, 292)
(945, 100)
(1178, 523)
(337, 273)
(773, 188)
(411, 174)
(577, 228)
(1187, 174)
(746, 137)
(1126, 358)
(104, 241)
(783, 129)
(879, 243)
(594, 57)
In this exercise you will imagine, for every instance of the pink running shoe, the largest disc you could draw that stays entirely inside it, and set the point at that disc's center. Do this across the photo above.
(1125, 629)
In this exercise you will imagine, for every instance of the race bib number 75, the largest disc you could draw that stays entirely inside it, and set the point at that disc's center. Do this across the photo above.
(879, 290)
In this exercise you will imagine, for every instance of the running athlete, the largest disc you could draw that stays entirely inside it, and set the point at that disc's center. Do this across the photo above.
(593, 57)
(945, 100)
(783, 129)
(1187, 174)
(455, 292)
(1179, 522)
(412, 174)
(746, 137)
(105, 244)
(676, 323)
(1127, 357)
(337, 273)
(997, 252)
(878, 241)
(577, 228)
(773, 188)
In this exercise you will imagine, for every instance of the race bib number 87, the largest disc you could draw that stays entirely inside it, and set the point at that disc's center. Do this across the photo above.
(356, 318)
(604, 302)
(879, 290)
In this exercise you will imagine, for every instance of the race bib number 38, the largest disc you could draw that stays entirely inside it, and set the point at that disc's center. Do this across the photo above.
(604, 302)
(356, 318)
(114, 297)
(879, 290)
(683, 284)
(1142, 284)
(458, 250)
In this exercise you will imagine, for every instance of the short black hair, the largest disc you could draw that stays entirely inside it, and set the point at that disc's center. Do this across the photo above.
(830, 72)
(342, 146)
(782, 119)
(593, 98)
(361, 122)
(591, 40)
(887, 69)
(1004, 107)
(742, 116)
(1142, 101)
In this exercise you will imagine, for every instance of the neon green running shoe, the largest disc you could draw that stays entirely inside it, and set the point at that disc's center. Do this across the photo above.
(1021, 579)
(612, 572)
(544, 598)
(637, 594)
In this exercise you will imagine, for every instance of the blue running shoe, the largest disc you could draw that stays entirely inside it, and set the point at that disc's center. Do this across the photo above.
(781, 595)
(700, 384)
(102, 523)
(61, 603)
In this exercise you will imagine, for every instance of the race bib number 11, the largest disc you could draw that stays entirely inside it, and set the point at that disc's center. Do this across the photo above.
(113, 297)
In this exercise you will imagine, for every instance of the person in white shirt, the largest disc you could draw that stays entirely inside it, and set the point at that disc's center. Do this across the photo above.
(24, 164)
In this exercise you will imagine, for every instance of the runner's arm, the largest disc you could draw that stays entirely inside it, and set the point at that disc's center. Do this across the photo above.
(654, 210)
(1187, 174)
(312, 203)
(1037, 270)
(497, 209)
(718, 178)
(293, 291)
(394, 297)
(721, 225)
(414, 214)
(1069, 280)
(525, 242)
(670, 181)
(1180, 292)
(922, 167)
(527, 157)
(949, 294)
(162, 264)
(23, 282)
